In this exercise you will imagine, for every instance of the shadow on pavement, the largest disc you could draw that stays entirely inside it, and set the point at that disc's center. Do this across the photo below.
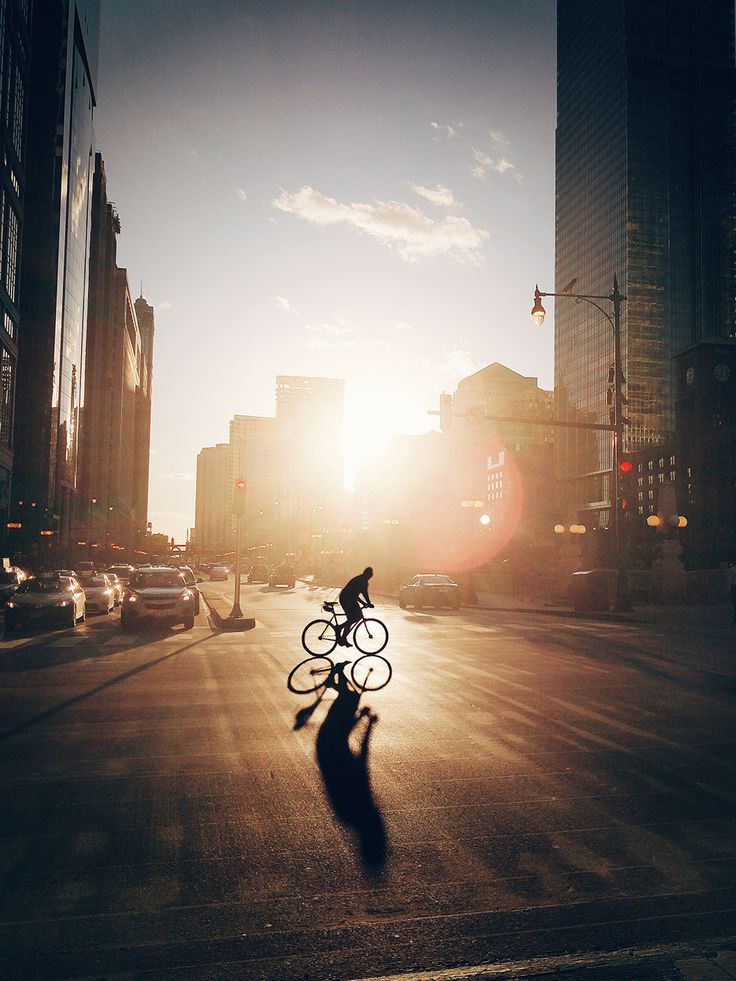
(345, 772)
(118, 679)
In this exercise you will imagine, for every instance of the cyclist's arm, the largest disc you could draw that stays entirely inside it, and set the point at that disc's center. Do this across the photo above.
(367, 598)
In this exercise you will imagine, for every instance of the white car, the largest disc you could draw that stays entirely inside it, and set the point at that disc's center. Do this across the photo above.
(99, 592)
(47, 599)
(118, 587)
(218, 572)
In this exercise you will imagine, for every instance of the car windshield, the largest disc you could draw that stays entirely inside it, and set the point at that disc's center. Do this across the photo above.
(7, 577)
(93, 581)
(45, 586)
(436, 581)
(156, 579)
(188, 575)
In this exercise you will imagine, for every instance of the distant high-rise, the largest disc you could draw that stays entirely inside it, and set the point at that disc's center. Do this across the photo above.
(646, 191)
(310, 415)
(115, 420)
(212, 508)
(14, 66)
(55, 263)
(254, 456)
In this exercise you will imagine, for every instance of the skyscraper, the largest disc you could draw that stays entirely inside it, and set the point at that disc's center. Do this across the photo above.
(645, 191)
(213, 501)
(55, 262)
(14, 66)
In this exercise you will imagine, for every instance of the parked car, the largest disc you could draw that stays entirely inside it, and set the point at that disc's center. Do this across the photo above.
(122, 571)
(158, 594)
(282, 575)
(98, 591)
(10, 579)
(191, 580)
(258, 572)
(218, 573)
(428, 589)
(117, 587)
(49, 598)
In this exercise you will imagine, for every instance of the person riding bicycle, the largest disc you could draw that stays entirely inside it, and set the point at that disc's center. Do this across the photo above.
(349, 598)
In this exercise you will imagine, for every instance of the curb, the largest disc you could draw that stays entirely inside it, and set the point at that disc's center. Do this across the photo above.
(225, 623)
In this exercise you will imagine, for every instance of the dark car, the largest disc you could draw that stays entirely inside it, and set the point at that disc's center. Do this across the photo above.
(157, 594)
(191, 580)
(123, 571)
(10, 579)
(258, 572)
(282, 575)
(429, 589)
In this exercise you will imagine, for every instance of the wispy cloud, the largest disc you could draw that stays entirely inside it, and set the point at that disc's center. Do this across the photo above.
(441, 196)
(498, 137)
(457, 364)
(397, 225)
(339, 329)
(403, 325)
(281, 303)
(164, 305)
(484, 163)
(445, 129)
(242, 196)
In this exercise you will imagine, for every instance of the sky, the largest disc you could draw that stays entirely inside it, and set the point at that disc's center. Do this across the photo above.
(347, 188)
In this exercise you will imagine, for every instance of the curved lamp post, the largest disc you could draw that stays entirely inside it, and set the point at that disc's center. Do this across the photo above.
(616, 298)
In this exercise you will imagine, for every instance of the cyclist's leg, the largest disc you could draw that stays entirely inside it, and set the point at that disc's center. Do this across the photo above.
(352, 615)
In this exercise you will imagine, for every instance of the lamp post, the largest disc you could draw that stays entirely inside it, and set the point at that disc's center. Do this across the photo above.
(615, 298)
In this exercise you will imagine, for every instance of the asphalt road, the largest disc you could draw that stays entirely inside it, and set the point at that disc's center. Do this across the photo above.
(529, 794)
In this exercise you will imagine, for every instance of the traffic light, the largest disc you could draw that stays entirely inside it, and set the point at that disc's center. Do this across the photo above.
(239, 498)
(445, 412)
(626, 485)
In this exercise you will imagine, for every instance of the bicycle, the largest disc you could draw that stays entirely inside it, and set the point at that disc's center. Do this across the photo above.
(319, 638)
(370, 672)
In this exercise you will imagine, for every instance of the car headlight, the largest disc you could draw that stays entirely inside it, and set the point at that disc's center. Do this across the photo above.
(63, 603)
(11, 604)
(186, 594)
(131, 598)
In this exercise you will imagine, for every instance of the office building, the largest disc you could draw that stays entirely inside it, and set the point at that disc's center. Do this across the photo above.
(14, 84)
(54, 266)
(310, 415)
(115, 420)
(645, 191)
(213, 501)
(254, 449)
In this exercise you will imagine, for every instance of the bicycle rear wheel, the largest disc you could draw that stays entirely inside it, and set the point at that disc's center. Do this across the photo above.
(371, 672)
(319, 638)
(370, 636)
(310, 675)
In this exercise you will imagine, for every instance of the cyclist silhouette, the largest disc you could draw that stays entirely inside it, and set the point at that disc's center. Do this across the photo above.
(350, 602)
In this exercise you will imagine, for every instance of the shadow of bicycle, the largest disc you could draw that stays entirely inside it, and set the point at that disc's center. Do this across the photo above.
(345, 772)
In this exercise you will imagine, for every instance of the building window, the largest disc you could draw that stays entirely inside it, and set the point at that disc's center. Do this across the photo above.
(673, 461)
(650, 465)
(11, 254)
(7, 385)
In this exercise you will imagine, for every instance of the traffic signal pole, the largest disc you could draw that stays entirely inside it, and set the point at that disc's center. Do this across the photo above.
(236, 613)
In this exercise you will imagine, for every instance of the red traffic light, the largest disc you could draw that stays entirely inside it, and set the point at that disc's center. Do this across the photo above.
(240, 484)
(625, 466)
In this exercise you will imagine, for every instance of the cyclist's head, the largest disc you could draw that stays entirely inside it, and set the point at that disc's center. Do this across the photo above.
(368, 572)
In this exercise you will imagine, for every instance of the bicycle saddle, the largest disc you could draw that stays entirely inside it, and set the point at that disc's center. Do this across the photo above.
(329, 606)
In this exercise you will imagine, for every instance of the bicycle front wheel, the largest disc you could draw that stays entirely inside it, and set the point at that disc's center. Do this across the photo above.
(370, 636)
(310, 675)
(371, 672)
(319, 638)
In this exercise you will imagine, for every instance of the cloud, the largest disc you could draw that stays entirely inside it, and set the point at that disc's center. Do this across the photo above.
(445, 129)
(484, 163)
(439, 195)
(281, 303)
(338, 329)
(403, 325)
(165, 305)
(242, 196)
(458, 363)
(176, 476)
(498, 137)
(397, 225)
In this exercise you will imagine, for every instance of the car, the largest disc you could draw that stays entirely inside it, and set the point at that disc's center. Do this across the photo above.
(281, 575)
(429, 589)
(70, 573)
(10, 579)
(157, 594)
(218, 573)
(258, 572)
(85, 565)
(44, 599)
(122, 570)
(191, 580)
(99, 592)
(117, 587)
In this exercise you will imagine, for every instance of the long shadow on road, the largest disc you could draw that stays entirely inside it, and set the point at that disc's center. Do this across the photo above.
(345, 773)
(118, 679)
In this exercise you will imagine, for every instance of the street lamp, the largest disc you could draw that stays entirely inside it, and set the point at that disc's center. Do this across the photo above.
(616, 298)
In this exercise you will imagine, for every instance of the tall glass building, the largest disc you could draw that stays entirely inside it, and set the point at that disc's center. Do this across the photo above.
(54, 282)
(645, 191)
